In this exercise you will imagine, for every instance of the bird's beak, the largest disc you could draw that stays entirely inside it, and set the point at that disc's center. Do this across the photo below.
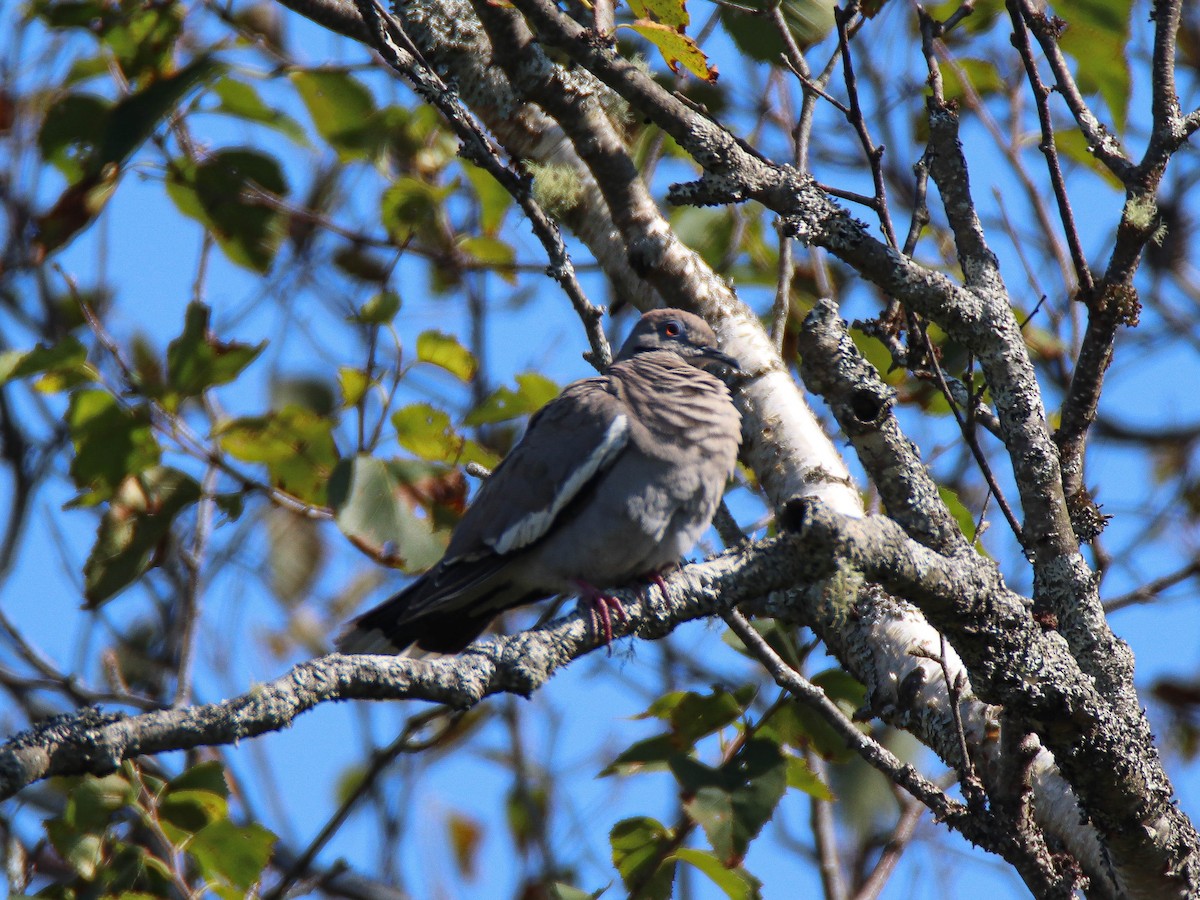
(716, 356)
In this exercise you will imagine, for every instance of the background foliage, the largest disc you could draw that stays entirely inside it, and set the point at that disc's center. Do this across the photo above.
(256, 319)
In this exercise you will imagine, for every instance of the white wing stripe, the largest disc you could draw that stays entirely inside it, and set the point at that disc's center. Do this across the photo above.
(532, 526)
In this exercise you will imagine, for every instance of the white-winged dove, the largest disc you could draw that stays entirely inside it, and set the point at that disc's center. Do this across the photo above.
(614, 480)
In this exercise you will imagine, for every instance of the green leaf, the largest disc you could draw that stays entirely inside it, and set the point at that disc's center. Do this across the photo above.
(979, 75)
(676, 48)
(188, 811)
(800, 727)
(756, 36)
(373, 508)
(641, 851)
(1071, 144)
(349, 781)
(737, 883)
(412, 205)
(142, 37)
(232, 855)
(494, 199)
(242, 101)
(444, 350)
(801, 777)
(205, 776)
(962, 515)
(196, 360)
(341, 108)
(67, 359)
(85, 68)
(222, 193)
(68, 13)
(232, 504)
(708, 231)
(562, 891)
(133, 528)
(648, 755)
(692, 715)
(111, 442)
(981, 21)
(533, 392)
(525, 811)
(295, 444)
(71, 132)
(417, 139)
(82, 851)
(427, 432)
(92, 801)
(734, 801)
(133, 119)
(1097, 37)
(358, 262)
(310, 392)
(781, 639)
(76, 208)
(379, 310)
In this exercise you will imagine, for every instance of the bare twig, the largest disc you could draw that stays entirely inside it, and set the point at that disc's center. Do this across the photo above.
(399, 52)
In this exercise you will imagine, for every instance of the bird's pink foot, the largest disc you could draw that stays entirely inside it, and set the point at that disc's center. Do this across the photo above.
(602, 605)
(657, 580)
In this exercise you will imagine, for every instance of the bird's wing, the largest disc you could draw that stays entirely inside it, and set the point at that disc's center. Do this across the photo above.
(570, 442)
(573, 440)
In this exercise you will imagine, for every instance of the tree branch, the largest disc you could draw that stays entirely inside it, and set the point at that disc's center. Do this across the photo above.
(1011, 661)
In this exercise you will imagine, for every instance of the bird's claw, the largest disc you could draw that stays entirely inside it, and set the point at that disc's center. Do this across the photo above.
(656, 579)
(601, 606)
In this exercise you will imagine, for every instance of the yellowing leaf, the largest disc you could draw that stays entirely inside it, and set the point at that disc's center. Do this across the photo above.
(444, 351)
(669, 12)
(353, 383)
(379, 310)
(294, 443)
(801, 777)
(736, 882)
(494, 200)
(533, 392)
(676, 48)
(465, 837)
(491, 251)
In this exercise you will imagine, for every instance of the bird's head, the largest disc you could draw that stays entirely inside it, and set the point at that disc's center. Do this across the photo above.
(678, 332)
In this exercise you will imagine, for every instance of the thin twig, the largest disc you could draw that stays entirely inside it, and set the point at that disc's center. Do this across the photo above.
(1083, 272)
(399, 52)
(380, 761)
(872, 751)
(900, 838)
(1151, 590)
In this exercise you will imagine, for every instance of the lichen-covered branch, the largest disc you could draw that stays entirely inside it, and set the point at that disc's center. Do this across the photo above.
(1010, 659)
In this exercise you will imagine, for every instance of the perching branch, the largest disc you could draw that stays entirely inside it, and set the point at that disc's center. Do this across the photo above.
(1011, 661)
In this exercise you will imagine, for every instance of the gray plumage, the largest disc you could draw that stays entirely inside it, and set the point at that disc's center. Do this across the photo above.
(614, 480)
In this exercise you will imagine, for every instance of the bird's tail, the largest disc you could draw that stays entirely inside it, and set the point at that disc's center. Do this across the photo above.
(421, 615)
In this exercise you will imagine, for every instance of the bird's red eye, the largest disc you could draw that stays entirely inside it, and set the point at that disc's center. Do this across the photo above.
(672, 329)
